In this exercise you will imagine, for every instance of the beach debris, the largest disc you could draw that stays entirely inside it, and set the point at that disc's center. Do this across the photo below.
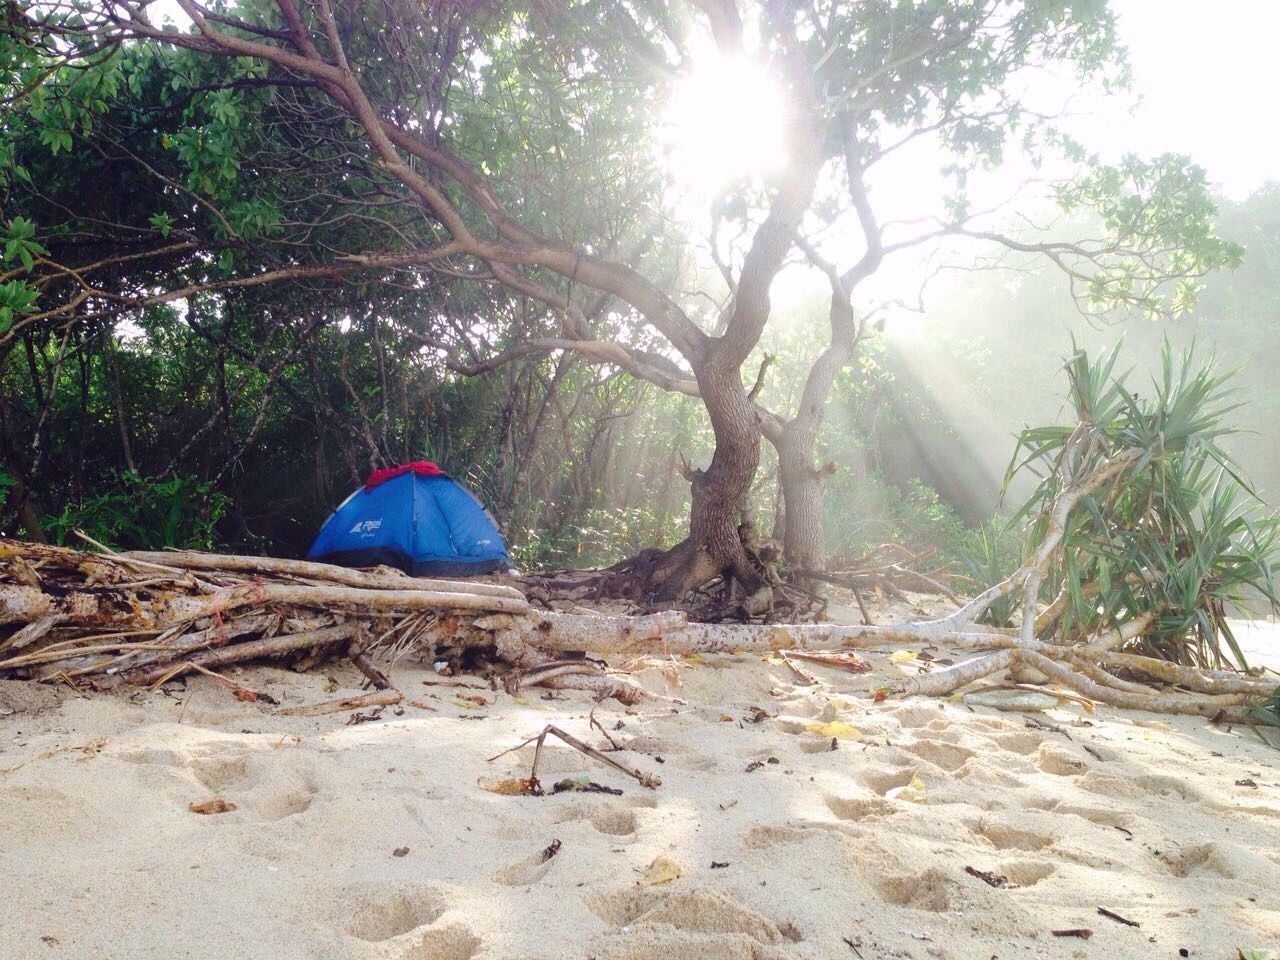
(1084, 933)
(1032, 723)
(646, 779)
(902, 656)
(833, 729)
(549, 851)
(87, 752)
(803, 675)
(911, 792)
(1014, 701)
(378, 698)
(754, 765)
(827, 658)
(990, 878)
(400, 852)
(254, 696)
(596, 724)
(728, 804)
(581, 784)
(757, 715)
(1256, 953)
(214, 805)
(511, 786)
(1247, 782)
(1111, 915)
(660, 870)
(358, 718)
(719, 864)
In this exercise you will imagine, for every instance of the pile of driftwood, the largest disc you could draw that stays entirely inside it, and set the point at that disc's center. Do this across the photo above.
(101, 620)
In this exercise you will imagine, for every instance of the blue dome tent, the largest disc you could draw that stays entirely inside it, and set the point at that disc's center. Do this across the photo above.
(415, 517)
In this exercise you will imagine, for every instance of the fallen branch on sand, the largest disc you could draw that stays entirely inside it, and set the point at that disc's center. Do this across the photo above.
(646, 779)
(380, 698)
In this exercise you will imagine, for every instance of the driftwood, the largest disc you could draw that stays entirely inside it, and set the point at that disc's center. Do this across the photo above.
(381, 698)
(107, 620)
(306, 569)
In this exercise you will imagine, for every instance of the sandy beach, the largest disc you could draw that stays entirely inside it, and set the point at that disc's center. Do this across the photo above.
(374, 840)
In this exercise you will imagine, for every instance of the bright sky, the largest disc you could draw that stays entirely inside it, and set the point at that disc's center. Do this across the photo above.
(1200, 75)
(1207, 75)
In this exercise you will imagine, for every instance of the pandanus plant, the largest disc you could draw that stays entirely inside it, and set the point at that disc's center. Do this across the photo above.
(1168, 534)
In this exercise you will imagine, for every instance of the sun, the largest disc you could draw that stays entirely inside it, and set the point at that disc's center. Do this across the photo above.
(724, 122)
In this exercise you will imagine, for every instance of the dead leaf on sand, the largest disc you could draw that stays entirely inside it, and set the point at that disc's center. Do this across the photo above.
(216, 805)
(511, 786)
(660, 870)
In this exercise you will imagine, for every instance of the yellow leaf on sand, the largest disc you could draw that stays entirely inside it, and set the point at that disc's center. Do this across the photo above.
(661, 870)
(902, 656)
(692, 657)
(833, 728)
(912, 792)
(725, 718)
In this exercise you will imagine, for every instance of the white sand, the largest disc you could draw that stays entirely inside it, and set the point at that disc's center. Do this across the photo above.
(100, 857)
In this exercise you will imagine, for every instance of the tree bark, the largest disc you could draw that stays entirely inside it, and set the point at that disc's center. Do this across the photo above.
(719, 493)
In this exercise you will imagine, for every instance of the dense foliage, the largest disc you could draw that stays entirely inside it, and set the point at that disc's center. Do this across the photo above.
(219, 288)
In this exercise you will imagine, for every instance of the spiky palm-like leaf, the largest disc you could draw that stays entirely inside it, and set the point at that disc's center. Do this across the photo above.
(1177, 530)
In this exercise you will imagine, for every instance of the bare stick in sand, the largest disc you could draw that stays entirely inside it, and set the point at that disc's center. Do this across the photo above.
(646, 779)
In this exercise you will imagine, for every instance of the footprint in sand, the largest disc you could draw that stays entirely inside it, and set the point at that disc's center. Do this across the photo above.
(268, 786)
(406, 916)
(1137, 788)
(1025, 873)
(383, 911)
(220, 772)
(761, 838)
(860, 808)
(1202, 859)
(450, 942)
(948, 756)
(882, 781)
(1059, 760)
(528, 870)
(1007, 836)
(1102, 816)
(707, 924)
(609, 818)
(929, 889)
(1019, 742)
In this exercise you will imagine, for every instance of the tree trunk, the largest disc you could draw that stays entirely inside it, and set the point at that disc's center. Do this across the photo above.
(804, 542)
(804, 538)
(719, 495)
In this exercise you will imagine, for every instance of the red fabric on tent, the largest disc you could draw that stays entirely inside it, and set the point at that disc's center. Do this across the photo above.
(424, 467)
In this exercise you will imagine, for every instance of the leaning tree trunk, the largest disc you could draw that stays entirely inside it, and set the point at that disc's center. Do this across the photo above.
(719, 495)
